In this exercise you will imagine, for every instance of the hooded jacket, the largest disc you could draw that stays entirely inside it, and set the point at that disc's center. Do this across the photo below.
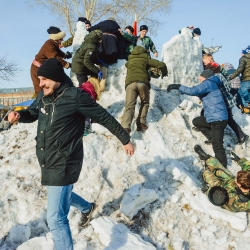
(211, 97)
(138, 65)
(83, 62)
(61, 122)
(243, 69)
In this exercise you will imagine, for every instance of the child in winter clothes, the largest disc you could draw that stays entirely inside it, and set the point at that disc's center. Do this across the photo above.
(92, 87)
(214, 121)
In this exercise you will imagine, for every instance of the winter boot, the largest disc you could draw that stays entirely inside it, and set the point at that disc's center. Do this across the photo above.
(141, 127)
(202, 155)
(86, 217)
(243, 139)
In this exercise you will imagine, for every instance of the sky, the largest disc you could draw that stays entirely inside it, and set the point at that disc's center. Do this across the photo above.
(224, 22)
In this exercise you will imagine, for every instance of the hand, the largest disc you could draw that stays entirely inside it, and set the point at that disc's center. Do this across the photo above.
(236, 157)
(191, 27)
(100, 75)
(60, 46)
(129, 148)
(68, 55)
(13, 117)
(173, 86)
(156, 54)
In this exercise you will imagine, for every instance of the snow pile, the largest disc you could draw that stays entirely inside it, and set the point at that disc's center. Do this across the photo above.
(164, 163)
(117, 236)
(135, 199)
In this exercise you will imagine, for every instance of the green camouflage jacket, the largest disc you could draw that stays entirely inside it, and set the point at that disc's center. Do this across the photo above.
(131, 42)
(217, 175)
(68, 42)
(148, 44)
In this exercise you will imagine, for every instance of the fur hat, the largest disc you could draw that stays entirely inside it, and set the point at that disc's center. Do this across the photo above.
(246, 50)
(143, 27)
(197, 31)
(96, 84)
(207, 73)
(52, 69)
(55, 33)
(99, 34)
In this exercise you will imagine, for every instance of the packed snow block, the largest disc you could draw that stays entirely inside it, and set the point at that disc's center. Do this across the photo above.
(37, 243)
(117, 236)
(183, 57)
(135, 199)
(19, 234)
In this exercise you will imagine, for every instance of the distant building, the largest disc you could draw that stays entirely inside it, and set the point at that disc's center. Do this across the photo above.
(9, 97)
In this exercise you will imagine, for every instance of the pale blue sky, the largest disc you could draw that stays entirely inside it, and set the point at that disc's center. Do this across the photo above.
(24, 30)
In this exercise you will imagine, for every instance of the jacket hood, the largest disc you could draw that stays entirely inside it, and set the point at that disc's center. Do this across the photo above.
(138, 50)
(228, 66)
(91, 38)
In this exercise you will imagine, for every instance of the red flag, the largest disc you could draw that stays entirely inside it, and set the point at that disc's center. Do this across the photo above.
(135, 26)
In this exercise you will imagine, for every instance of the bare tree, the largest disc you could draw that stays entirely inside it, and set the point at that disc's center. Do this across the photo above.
(8, 68)
(124, 11)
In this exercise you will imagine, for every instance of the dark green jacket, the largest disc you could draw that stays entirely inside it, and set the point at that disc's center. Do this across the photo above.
(243, 69)
(138, 65)
(85, 58)
(61, 120)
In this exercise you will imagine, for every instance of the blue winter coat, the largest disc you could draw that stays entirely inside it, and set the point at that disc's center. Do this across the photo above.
(211, 97)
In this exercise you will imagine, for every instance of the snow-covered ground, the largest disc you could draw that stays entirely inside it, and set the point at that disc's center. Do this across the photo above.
(149, 201)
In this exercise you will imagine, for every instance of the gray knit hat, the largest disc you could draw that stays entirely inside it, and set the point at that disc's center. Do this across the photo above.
(207, 73)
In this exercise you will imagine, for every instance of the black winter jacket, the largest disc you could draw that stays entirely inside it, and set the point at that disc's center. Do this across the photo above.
(61, 120)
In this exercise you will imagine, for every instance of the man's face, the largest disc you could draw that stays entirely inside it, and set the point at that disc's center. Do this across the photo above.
(206, 60)
(128, 31)
(87, 26)
(48, 85)
(143, 33)
(59, 41)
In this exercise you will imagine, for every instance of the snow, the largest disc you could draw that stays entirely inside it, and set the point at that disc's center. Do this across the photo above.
(118, 236)
(164, 163)
(135, 199)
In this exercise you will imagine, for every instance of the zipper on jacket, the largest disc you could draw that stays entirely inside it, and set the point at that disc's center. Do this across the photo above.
(53, 109)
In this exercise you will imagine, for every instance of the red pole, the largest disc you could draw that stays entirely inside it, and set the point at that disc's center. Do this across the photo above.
(135, 26)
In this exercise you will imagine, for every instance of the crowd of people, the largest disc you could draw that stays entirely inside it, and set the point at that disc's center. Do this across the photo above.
(64, 111)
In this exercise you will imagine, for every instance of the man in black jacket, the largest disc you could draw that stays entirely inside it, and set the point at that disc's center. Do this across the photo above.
(61, 110)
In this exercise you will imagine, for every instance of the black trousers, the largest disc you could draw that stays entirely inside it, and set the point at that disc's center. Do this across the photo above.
(214, 131)
(81, 79)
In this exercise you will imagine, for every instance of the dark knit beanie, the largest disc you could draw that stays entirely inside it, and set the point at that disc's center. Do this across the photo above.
(143, 27)
(82, 19)
(197, 31)
(130, 28)
(52, 69)
(207, 73)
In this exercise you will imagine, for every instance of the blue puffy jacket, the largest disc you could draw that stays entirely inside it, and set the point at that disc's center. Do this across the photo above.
(211, 97)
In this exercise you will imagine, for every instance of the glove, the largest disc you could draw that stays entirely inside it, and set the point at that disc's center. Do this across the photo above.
(236, 157)
(100, 75)
(164, 73)
(100, 62)
(173, 86)
(68, 55)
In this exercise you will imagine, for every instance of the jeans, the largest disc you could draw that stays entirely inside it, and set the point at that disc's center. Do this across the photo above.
(214, 131)
(244, 93)
(60, 198)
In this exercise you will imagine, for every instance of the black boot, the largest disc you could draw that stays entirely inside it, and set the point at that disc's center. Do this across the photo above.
(201, 153)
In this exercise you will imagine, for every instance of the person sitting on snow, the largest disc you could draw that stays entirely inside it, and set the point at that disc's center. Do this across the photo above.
(244, 70)
(222, 187)
(146, 40)
(137, 83)
(85, 58)
(214, 121)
